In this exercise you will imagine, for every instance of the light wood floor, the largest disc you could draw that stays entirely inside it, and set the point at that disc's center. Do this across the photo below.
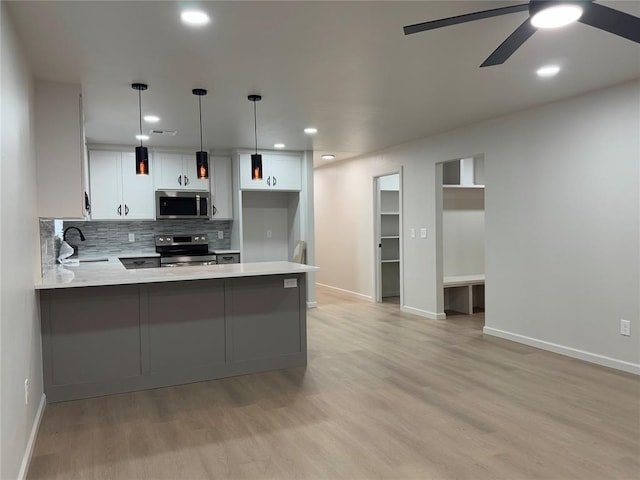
(385, 395)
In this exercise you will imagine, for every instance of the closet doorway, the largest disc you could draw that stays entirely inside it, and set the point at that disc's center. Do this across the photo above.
(388, 238)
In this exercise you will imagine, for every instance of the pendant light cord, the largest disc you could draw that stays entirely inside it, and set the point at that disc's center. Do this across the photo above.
(140, 111)
(255, 125)
(200, 108)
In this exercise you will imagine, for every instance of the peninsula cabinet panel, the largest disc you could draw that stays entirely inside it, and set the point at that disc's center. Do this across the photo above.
(114, 339)
(92, 335)
(266, 317)
(186, 325)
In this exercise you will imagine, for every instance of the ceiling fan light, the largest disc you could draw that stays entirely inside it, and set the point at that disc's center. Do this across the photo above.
(557, 16)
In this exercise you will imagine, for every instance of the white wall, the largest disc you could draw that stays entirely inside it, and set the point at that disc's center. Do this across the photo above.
(463, 231)
(20, 350)
(561, 223)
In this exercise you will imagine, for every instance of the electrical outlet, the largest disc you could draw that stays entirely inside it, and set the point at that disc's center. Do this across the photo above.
(413, 233)
(269, 234)
(220, 235)
(423, 233)
(132, 237)
(26, 391)
(625, 328)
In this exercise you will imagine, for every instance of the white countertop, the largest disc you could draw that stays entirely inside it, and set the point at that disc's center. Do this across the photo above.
(112, 272)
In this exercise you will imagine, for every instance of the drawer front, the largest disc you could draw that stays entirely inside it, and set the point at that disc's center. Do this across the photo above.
(141, 262)
(228, 258)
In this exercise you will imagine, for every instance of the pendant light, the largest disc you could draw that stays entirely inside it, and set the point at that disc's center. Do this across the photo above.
(256, 158)
(202, 158)
(142, 154)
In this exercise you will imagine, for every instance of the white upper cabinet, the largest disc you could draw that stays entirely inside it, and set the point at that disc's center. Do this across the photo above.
(117, 193)
(220, 176)
(279, 172)
(60, 150)
(177, 171)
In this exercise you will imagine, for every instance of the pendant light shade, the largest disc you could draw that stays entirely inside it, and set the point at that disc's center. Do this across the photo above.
(142, 154)
(256, 158)
(202, 157)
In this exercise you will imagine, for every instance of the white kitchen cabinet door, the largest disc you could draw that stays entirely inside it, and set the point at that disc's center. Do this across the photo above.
(220, 176)
(246, 183)
(177, 171)
(117, 193)
(137, 190)
(59, 150)
(106, 185)
(284, 172)
(279, 172)
(168, 171)
(190, 174)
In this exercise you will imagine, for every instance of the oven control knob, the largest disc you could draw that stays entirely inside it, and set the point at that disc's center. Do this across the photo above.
(160, 239)
(196, 238)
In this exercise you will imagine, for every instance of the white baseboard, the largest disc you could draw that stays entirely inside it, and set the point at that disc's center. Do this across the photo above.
(360, 295)
(423, 313)
(31, 443)
(312, 305)
(568, 351)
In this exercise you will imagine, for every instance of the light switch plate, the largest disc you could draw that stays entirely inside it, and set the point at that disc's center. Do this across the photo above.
(290, 282)
(423, 233)
(413, 233)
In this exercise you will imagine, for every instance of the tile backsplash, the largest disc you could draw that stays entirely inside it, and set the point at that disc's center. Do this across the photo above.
(107, 238)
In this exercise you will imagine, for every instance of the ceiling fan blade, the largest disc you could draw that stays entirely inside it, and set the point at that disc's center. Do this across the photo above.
(511, 44)
(612, 21)
(469, 17)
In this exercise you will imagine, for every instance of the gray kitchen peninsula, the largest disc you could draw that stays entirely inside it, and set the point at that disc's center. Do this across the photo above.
(106, 329)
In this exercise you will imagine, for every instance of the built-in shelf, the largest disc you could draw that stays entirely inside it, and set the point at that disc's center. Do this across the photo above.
(462, 186)
(386, 237)
(389, 213)
(395, 260)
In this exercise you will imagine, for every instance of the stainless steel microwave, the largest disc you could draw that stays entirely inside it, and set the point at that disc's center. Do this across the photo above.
(182, 204)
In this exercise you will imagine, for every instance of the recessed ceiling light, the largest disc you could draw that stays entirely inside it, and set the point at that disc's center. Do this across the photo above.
(142, 137)
(328, 157)
(310, 130)
(548, 71)
(151, 118)
(556, 16)
(194, 17)
(279, 145)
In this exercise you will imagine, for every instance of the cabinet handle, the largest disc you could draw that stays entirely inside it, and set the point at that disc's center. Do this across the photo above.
(180, 179)
(126, 209)
(139, 262)
(274, 181)
(268, 181)
(119, 209)
(186, 180)
(87, 205)
(215, 210)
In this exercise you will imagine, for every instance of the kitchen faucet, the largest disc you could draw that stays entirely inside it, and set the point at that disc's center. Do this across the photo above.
(64, 234)
(75, 247)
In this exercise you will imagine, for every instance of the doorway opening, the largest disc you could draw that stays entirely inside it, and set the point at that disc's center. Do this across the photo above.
(388, 238)
(461, 244)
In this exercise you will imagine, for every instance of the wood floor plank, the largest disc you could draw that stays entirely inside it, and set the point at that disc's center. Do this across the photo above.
(385, 395)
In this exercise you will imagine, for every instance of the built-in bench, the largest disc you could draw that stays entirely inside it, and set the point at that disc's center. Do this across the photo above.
(463, 293)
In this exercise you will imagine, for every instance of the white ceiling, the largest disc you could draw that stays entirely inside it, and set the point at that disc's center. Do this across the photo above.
(343, 67)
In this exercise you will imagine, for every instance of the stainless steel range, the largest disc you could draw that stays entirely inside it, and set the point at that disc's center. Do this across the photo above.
(184, 250)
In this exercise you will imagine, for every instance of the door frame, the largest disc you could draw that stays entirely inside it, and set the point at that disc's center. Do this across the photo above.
(377, 241)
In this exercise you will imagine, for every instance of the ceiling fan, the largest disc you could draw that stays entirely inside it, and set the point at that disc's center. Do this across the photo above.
(543, 14)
